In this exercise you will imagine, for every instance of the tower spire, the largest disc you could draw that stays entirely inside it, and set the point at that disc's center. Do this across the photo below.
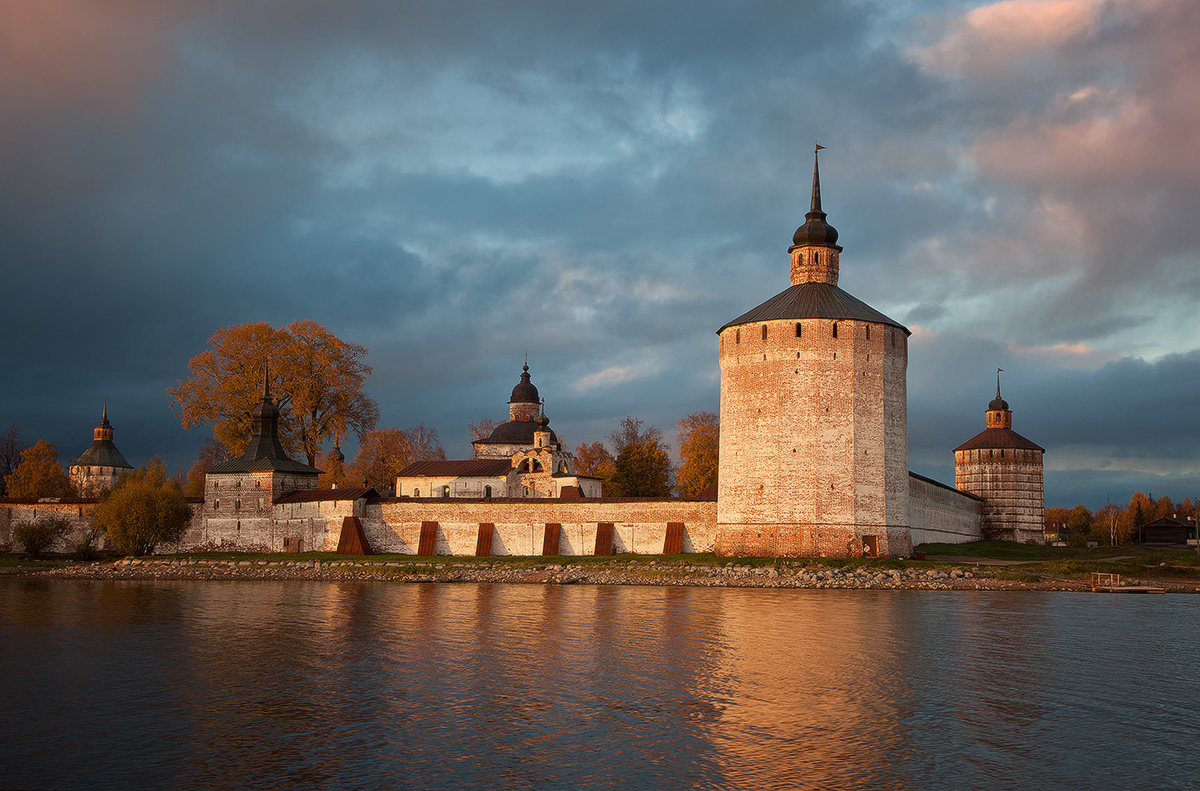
(815, 208)
(266, 381)
(998, 372)
(104, 414)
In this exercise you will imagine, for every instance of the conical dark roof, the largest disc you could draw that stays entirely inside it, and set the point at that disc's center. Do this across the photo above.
(814, 301)
(102, 452)
(265, 451)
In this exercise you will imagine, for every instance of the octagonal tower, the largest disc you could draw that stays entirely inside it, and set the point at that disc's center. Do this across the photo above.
(814, 416)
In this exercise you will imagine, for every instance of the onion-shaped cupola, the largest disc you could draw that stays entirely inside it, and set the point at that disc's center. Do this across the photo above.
(814, 247)
(525, 392)
(815, 231)
(998, 413)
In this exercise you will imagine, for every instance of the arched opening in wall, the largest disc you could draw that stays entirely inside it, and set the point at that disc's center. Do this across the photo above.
(416, 492)
(868, 332)
(445, 491)
(487, 491)
(535, 466)
(523, 466)
(562, 468)
(216, 504)
(737, 335)
(237, 505)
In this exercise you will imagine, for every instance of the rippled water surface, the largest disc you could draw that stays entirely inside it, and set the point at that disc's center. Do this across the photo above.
(338, 685)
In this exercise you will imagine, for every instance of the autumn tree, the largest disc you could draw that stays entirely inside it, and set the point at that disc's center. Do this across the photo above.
(212, 453)
(39, 474)
(633, 430)
(642, 469)
(593, 459)
(144, 509)
(699, 435)
(1137, 514)
(384, 452)
(483, 429)
(334, 470)
(425, 444)
(316, 378)
(1055, 519)
(11, 445)
(1079, 524)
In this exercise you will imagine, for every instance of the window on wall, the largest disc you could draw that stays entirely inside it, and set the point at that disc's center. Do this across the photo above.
(216, 504)
(737, 335)
(445, 491)
(835, 329)
(868, 332)
(764, 332)
(797, 329)
(487, 491)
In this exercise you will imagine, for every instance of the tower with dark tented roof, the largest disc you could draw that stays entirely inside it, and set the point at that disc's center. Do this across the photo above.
(814, 421)
(240, 494)
(98, 467)
(1004, 469)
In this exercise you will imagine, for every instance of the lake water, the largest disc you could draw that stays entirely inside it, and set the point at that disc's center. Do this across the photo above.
(340, 685)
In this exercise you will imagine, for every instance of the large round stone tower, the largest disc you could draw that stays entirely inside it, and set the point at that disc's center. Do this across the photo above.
(1005, 469)
(814, 420)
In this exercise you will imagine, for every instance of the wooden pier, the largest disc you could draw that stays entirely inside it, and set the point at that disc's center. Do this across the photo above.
(1104, 582)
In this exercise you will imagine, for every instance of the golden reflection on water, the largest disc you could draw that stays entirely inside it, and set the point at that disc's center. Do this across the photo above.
(239, 684)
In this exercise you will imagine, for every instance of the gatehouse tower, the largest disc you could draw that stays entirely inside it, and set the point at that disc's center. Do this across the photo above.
(814, 421)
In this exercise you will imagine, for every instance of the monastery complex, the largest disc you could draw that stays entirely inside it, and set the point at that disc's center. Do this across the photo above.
(813, 461)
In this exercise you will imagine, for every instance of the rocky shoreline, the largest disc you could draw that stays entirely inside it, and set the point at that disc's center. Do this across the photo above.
(782, 574)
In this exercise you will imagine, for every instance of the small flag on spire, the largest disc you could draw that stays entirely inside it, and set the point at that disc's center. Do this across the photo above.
(819, 147)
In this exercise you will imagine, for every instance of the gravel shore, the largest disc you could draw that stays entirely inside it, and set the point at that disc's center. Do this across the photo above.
(783, 574)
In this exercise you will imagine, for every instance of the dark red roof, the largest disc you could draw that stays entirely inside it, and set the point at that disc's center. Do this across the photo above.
(464, 468)
(999, 439)
(326, 495)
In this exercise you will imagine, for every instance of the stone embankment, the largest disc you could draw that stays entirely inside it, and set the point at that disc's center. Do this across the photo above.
(783, 574)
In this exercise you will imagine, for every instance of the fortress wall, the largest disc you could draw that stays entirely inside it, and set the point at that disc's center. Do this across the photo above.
(1010, 482)
(79, 512)
(941, 514)
(639, 525)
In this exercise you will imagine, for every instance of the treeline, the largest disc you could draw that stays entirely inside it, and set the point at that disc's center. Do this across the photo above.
(1114, 523)
(636, 461)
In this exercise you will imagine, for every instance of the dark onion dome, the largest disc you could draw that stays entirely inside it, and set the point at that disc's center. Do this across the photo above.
(514, 432)
(814, 301)
(543, 422)
(815, 230)
(997, 404)
(524, 392)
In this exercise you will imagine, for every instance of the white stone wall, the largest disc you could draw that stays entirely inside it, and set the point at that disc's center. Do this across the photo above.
(941, 514)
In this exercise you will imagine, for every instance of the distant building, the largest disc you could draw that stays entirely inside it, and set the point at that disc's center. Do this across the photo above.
(98, 467)
(1167, 531)
(1004, 470)
(520, 458)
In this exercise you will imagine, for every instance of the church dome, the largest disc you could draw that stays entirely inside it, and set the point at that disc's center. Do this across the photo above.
(997, 404)
(524, 392)
(815, 232)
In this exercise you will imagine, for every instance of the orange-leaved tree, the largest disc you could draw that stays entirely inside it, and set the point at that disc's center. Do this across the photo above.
(699, 439)
(316, 378)
(39, 474)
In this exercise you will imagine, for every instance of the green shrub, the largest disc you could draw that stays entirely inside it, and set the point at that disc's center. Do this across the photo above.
(38, 536)
(142, 513)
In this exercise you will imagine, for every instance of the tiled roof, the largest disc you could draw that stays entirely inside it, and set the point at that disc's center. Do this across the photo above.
(999, 439)
(814, 301)
(101, 453)
(465, 468)
(262, 464)
(326, 495)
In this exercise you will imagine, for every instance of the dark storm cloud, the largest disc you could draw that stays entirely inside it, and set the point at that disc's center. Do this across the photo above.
(454, 184)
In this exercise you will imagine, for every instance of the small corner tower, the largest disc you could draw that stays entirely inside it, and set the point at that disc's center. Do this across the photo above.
(98, 467)
(1005, 470)
(814, 416)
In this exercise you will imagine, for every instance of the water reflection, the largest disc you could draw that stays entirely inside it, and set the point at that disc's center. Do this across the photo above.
(267, 685)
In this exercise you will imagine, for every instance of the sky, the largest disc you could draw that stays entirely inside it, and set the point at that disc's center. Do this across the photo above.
(453, 184)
